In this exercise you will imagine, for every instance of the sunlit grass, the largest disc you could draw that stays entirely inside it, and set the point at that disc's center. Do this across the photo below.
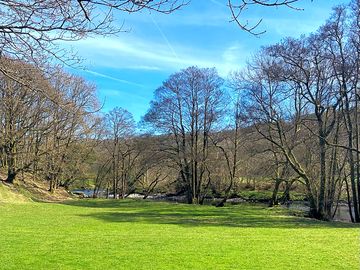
(100, 234)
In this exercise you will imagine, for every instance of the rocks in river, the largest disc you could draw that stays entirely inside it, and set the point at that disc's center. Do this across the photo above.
(235, 200)
(135, 196)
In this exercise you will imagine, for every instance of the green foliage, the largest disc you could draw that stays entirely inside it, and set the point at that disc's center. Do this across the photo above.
(100, 234)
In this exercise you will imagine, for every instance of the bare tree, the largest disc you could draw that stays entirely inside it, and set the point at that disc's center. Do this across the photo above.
(154, 176)
(341, 36)
(295, 103)
(229, 142)
(71, 124)
(186, 109)
(120, 128)
(30, 29)
(22, 112)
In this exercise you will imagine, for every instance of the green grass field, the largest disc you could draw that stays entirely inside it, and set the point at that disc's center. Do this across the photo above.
(100, 234)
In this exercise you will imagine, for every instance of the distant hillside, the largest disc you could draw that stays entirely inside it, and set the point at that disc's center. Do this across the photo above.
(29, 190)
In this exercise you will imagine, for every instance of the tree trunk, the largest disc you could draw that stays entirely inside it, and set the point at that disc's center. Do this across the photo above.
(10, 176)
(322, 156)
(285, 198)
(274, 199)
(349, 201)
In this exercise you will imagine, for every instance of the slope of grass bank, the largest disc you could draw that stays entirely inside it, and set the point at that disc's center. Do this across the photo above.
(30, 189)
(99, 234)
(8, 194)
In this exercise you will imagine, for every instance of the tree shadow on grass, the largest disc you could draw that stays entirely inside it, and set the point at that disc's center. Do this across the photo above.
(246, 216)
(103, 203)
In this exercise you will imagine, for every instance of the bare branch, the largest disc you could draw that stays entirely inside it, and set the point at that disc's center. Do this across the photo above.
(238, 9)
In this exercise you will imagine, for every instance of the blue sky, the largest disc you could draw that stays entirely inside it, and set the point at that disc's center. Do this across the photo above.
(129, 67)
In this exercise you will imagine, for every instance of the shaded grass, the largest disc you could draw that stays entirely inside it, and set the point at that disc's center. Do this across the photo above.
(245, 215)
(100, 234)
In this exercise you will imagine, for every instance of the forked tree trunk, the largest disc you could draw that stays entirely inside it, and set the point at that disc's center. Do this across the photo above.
(274, 198)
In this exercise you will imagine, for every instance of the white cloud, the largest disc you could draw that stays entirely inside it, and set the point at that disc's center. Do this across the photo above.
(150, 55)
(232, 54)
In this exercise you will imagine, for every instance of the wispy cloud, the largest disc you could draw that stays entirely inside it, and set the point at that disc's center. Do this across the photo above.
(195, 14)
(233, 53)
(288, 27)
(112, 78)
(110, 93)
(150, 55)
(218, 3)
(129, 67)
(141, 67)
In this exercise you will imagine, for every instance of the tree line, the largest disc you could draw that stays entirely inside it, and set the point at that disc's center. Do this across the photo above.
(37, 134)
(291, 116)
(300, 96)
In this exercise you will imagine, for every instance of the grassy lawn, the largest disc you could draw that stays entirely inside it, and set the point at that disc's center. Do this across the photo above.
(102, 234)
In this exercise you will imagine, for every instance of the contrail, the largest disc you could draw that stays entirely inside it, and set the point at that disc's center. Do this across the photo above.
(218, 3)
(165, 38)
(112, 78)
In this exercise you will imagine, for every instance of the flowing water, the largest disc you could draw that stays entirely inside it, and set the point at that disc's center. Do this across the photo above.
(341, 214)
